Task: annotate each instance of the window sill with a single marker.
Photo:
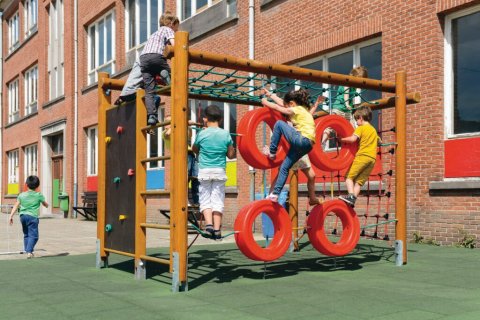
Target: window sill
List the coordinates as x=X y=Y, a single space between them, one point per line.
x=11 y=196
x=11 y=124
x=52 y=102
x=208 y=20
x=21 y=44
x=457 y=184
x=89 y=87
x=269 y=3
x=231 y=190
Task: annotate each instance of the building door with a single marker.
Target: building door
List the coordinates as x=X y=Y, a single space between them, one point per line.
x=56 y=143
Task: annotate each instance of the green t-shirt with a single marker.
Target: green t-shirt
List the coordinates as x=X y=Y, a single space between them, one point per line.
x=339 y=100
x=30 y=202
x=213 y=143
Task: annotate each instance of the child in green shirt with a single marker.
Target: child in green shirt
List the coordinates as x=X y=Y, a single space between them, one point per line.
x=29 y=204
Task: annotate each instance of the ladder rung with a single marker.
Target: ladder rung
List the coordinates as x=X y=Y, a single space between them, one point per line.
x=158 y=125
x=155 y=226
x=157 y=260
x=128 y=254
x=155 y=159
x=155 y=193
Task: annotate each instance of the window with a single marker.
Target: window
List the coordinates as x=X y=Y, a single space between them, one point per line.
x=190 y=8
x=31 y=15
x=55 y=49
x=13 y=113
x=462 y=69
x=31 y=157
x=156 y=145
x=101 y=47
x=31 y=90
x=92 y=151
x=13 y=32
x=141 y=19
x=13 y=166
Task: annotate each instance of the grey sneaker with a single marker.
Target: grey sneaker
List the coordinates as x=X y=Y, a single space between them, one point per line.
x=152 y=120
x=349 y=199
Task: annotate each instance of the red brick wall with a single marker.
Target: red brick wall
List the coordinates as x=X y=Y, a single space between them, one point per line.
x=286 y=32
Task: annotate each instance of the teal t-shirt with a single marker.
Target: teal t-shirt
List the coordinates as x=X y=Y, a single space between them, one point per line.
x=338 y=101
x=213 y=143
x=30 y=202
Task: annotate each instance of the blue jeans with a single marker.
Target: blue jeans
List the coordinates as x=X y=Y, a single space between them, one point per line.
x=192 y=171
x=30 y=232
x=299 y=146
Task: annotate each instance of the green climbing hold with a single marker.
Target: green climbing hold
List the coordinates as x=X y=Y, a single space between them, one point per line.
x=116 y=180
x=108 y=228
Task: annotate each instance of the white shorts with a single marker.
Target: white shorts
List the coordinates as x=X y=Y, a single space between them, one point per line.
x=212 y=189
x=302 y=163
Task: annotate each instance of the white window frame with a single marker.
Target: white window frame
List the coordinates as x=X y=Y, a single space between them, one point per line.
x=159 y=136
x=225 y=106
x=13 y=104
x=138 y=47
x=31 y=90
x=449 y=75
x=31 y=160
x=31 y=16
x=14 y=32
x=13 y=166
x=94 y=44
x=55 y=49
x=193 y=6
x=92 y=138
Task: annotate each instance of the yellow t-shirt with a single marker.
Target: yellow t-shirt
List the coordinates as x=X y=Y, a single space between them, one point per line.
x=303 y=122
x=368 y=140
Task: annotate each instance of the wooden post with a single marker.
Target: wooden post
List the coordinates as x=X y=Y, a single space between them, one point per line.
x=104 y=101
x=140 y=185
x=179 y=179
x=293 y=206
x=401 y=161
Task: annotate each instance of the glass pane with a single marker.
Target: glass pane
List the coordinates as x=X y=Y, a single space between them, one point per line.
x=153 y=16
x=131 y=24
x=109 y=43
x=466 y=68
x=233 y=123
x=101 y=42
x=187 y=9
x=201 y=4
x=314 y=88
x=371 y=58
x=343 y=64
x=143 y=20
x=283 y=85
x=154 y=148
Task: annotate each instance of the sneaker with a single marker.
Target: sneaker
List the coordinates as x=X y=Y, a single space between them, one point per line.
x=266 y=151
x=152 y=120
x=272 y=197
x=209 y=230
x=217 y=235
x=119 y=101
x=349 y=199
x=29 y=255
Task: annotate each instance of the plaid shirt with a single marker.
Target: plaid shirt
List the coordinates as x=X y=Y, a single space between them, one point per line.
x=157 y=41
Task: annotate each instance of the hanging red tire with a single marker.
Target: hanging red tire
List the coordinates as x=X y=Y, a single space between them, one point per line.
x=332 y=161
x=282 y=231
x=316 y=230
x=247 y=142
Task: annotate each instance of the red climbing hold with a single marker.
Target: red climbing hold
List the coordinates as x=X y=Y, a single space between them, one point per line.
x=316 y=228
x=247 y=138
x=131 y=172
x=281 y=224
x=332 y=160
x=119 y=130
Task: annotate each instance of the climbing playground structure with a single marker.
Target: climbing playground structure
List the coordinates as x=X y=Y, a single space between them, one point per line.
x=122 y=192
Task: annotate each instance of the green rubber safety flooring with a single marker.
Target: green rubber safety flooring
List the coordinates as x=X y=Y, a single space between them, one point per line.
x=437 y=283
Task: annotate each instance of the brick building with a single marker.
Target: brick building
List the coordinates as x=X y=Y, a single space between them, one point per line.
x=53 y=49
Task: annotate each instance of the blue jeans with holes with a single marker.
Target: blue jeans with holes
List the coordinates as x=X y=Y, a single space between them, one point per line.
x=192 y=168
x=299 y=146
x=30 y=232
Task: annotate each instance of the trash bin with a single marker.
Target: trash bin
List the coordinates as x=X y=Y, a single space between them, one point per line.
x=64 y=206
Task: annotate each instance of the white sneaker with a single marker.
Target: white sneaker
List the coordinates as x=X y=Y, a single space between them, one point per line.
x=272 y=197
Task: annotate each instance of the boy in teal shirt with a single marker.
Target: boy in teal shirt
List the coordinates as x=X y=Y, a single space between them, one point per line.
x=213 y=144
x=29 y=203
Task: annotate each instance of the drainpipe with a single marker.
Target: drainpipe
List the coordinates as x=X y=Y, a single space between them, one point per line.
x=75 y=105
x=1 y=107
x=251 y=55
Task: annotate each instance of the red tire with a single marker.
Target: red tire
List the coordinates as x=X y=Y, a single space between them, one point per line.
x=316 y=232
x=331 y=161
x=247 y=142
x=282 y=231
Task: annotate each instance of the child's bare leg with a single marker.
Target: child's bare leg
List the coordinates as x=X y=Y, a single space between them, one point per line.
x=312 y=199
x=350 y=185
x=217 y=220
x=356 y=189
x=207 y=214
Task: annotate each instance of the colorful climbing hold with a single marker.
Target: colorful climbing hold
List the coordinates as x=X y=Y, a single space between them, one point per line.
x=108 y=228
x=131 y=172
x=122 y=217
x=116 y=180
x=119 y=130
x=107 y=140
